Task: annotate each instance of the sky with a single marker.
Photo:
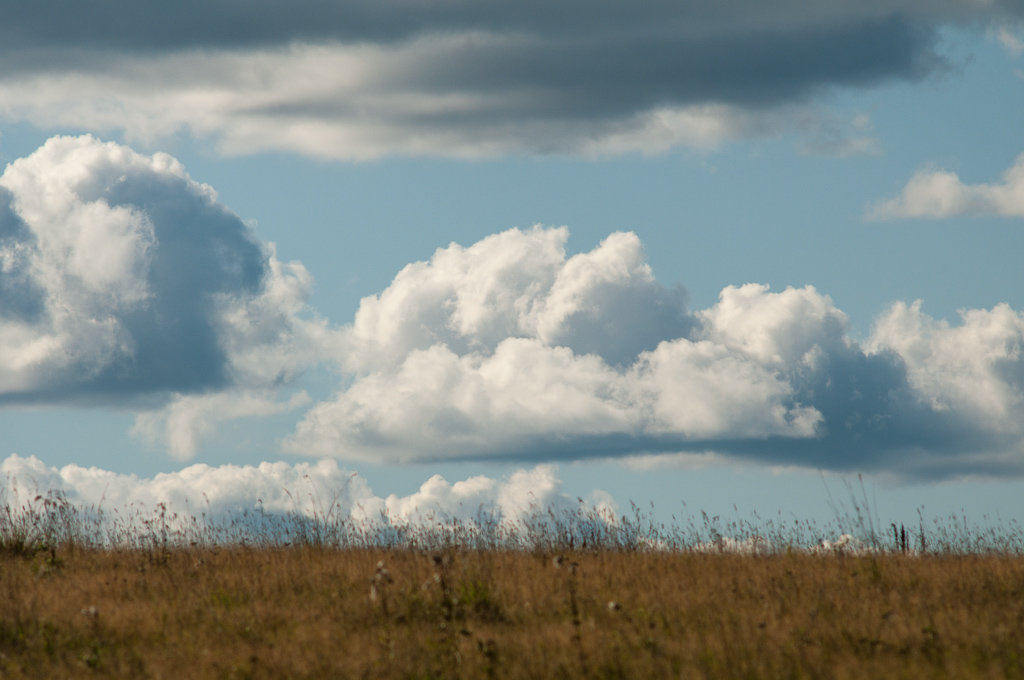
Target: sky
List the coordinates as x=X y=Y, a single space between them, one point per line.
x=721 y=257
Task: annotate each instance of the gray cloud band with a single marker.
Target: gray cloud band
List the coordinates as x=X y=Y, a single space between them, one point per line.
x=614 y=72
x=460 y=78
x=127 y=25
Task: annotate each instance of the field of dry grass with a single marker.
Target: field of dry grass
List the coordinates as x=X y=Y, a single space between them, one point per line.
x=316 y=612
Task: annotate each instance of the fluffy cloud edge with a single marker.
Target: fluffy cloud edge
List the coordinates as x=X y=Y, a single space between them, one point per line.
x=941 y=194
x=507 y=348
x=504 y=350
x=182 y=425
x=127 y=284
x=254 y=501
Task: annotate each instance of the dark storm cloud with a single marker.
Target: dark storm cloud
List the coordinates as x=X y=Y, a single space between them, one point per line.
x=552 y=94
x=616 y=75
x=362 y=79
x=580 y=57
x=577 y=79
x=638 y=54
x=134 y=26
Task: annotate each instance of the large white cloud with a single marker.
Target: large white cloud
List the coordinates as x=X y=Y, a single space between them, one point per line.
x=125 y=282
x=519 y=284
x=938 y=194
x=975 y=369
x=489 y=349
x=354 y=79
x=510 y=348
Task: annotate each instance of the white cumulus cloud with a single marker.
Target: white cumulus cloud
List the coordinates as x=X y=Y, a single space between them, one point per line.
x=511 y=348
x=124 y=282
x=938 y=194
x=975 y=369
x=492 y=349
x=261 y=501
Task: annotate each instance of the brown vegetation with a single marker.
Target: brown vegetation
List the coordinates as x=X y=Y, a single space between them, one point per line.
x=316 y=612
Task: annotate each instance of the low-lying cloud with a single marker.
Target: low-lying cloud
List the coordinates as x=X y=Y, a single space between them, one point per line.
x=357 y=79
x=260 y=502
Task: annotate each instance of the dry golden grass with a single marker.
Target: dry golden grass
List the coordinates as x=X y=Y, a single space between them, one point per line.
x=309 y=612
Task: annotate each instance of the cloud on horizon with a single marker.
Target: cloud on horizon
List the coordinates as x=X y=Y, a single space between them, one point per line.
x=359 y=79
x=248 y=500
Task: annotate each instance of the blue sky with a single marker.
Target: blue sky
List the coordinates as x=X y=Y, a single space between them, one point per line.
x=753 y=200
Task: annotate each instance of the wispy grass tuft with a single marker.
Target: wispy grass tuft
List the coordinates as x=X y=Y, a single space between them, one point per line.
x=575 y=592
x=47 y=521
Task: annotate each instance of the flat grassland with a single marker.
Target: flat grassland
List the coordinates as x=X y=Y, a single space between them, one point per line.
x=318 y=612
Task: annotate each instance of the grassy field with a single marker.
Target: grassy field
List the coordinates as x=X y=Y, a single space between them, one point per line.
x=317 y=612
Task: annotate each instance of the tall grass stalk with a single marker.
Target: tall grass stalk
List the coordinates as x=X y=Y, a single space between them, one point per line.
x=259 y=595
